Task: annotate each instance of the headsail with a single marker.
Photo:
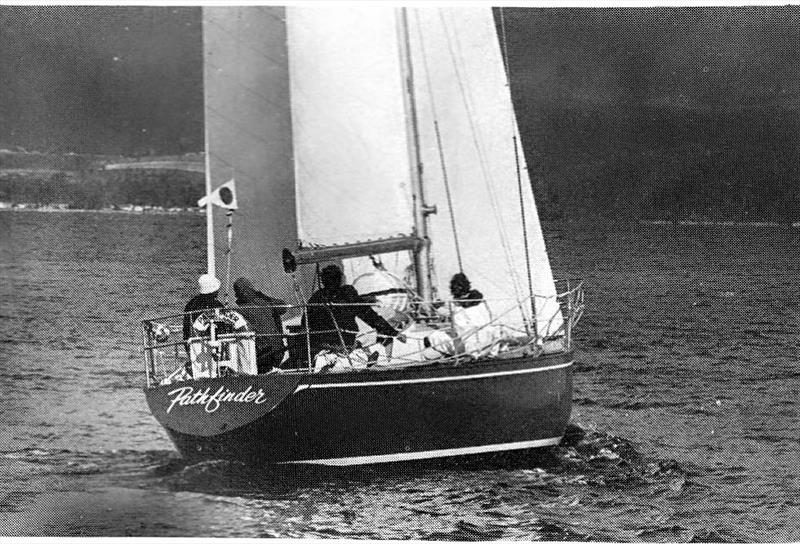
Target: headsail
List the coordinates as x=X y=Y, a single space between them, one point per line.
x=462 y=86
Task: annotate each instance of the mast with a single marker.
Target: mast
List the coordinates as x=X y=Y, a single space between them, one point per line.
x=422 y=254
x=209 y=214
x=212 y=264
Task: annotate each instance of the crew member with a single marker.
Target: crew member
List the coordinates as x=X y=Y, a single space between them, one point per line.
x=471 y=329
x=206 y=300
x=332 y=315
x=263 y=314
x=463 y=293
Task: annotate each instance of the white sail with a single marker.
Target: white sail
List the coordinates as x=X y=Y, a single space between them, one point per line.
x=460 y=82
x=352 y=169
x=312 y=104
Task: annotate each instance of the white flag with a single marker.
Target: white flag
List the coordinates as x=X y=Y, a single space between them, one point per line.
x=223 y=196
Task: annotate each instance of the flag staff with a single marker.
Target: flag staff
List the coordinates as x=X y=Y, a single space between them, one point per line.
x=223 y=196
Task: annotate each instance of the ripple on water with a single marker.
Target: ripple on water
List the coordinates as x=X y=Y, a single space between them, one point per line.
x=678 y=319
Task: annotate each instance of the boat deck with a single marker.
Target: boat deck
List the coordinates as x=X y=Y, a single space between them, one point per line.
x=227 y=348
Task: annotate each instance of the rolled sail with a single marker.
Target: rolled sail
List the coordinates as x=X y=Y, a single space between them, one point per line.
x=351 y=158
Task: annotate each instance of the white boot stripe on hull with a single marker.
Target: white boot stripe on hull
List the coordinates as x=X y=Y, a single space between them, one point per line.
x=433 y=454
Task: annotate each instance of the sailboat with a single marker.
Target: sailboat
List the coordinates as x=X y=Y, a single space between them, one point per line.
x=383 y=140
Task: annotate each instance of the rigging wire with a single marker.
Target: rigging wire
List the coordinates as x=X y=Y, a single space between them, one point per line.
x=439 y=145
x=525 y=238
x=519 y=172
x=228 y=252
x=481 y=156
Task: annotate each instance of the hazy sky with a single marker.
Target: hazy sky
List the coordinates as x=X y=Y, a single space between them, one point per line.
x=101 y=79
x=129 y=79
x=685 y=57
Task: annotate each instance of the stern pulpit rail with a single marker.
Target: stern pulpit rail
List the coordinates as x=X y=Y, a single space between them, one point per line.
x=168 y=356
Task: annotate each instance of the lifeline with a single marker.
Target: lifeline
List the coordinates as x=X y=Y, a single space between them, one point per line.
x=185 y=396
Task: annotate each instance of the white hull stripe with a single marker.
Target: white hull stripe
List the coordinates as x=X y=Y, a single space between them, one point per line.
x=431 y=380
x=432 y=454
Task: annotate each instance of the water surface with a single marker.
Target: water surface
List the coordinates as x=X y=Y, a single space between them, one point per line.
x=685 y=424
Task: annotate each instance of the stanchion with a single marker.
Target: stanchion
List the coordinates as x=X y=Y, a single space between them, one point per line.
x=229 y=227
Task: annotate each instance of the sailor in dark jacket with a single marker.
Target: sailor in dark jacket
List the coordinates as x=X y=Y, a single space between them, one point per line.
x=336 y=306
x=263 y=315
x=206 y=300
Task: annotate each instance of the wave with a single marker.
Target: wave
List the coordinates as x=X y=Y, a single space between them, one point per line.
x=73 y=462
x=602 y=459
x=584 y=457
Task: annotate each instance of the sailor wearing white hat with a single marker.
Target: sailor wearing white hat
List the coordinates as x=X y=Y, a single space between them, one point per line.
x=208 y=284
x=206 y=300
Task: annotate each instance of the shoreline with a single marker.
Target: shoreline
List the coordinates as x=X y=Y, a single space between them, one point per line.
x=706 y=223
x=156 y=210
x=132 y=211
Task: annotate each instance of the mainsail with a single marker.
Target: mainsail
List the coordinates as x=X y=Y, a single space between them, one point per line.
x=313 y=104
x=349 y=130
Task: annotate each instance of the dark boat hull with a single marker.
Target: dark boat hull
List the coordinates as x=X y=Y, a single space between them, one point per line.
x=370 y=417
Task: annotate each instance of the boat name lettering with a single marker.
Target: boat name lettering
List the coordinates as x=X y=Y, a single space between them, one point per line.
x=185 y=396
